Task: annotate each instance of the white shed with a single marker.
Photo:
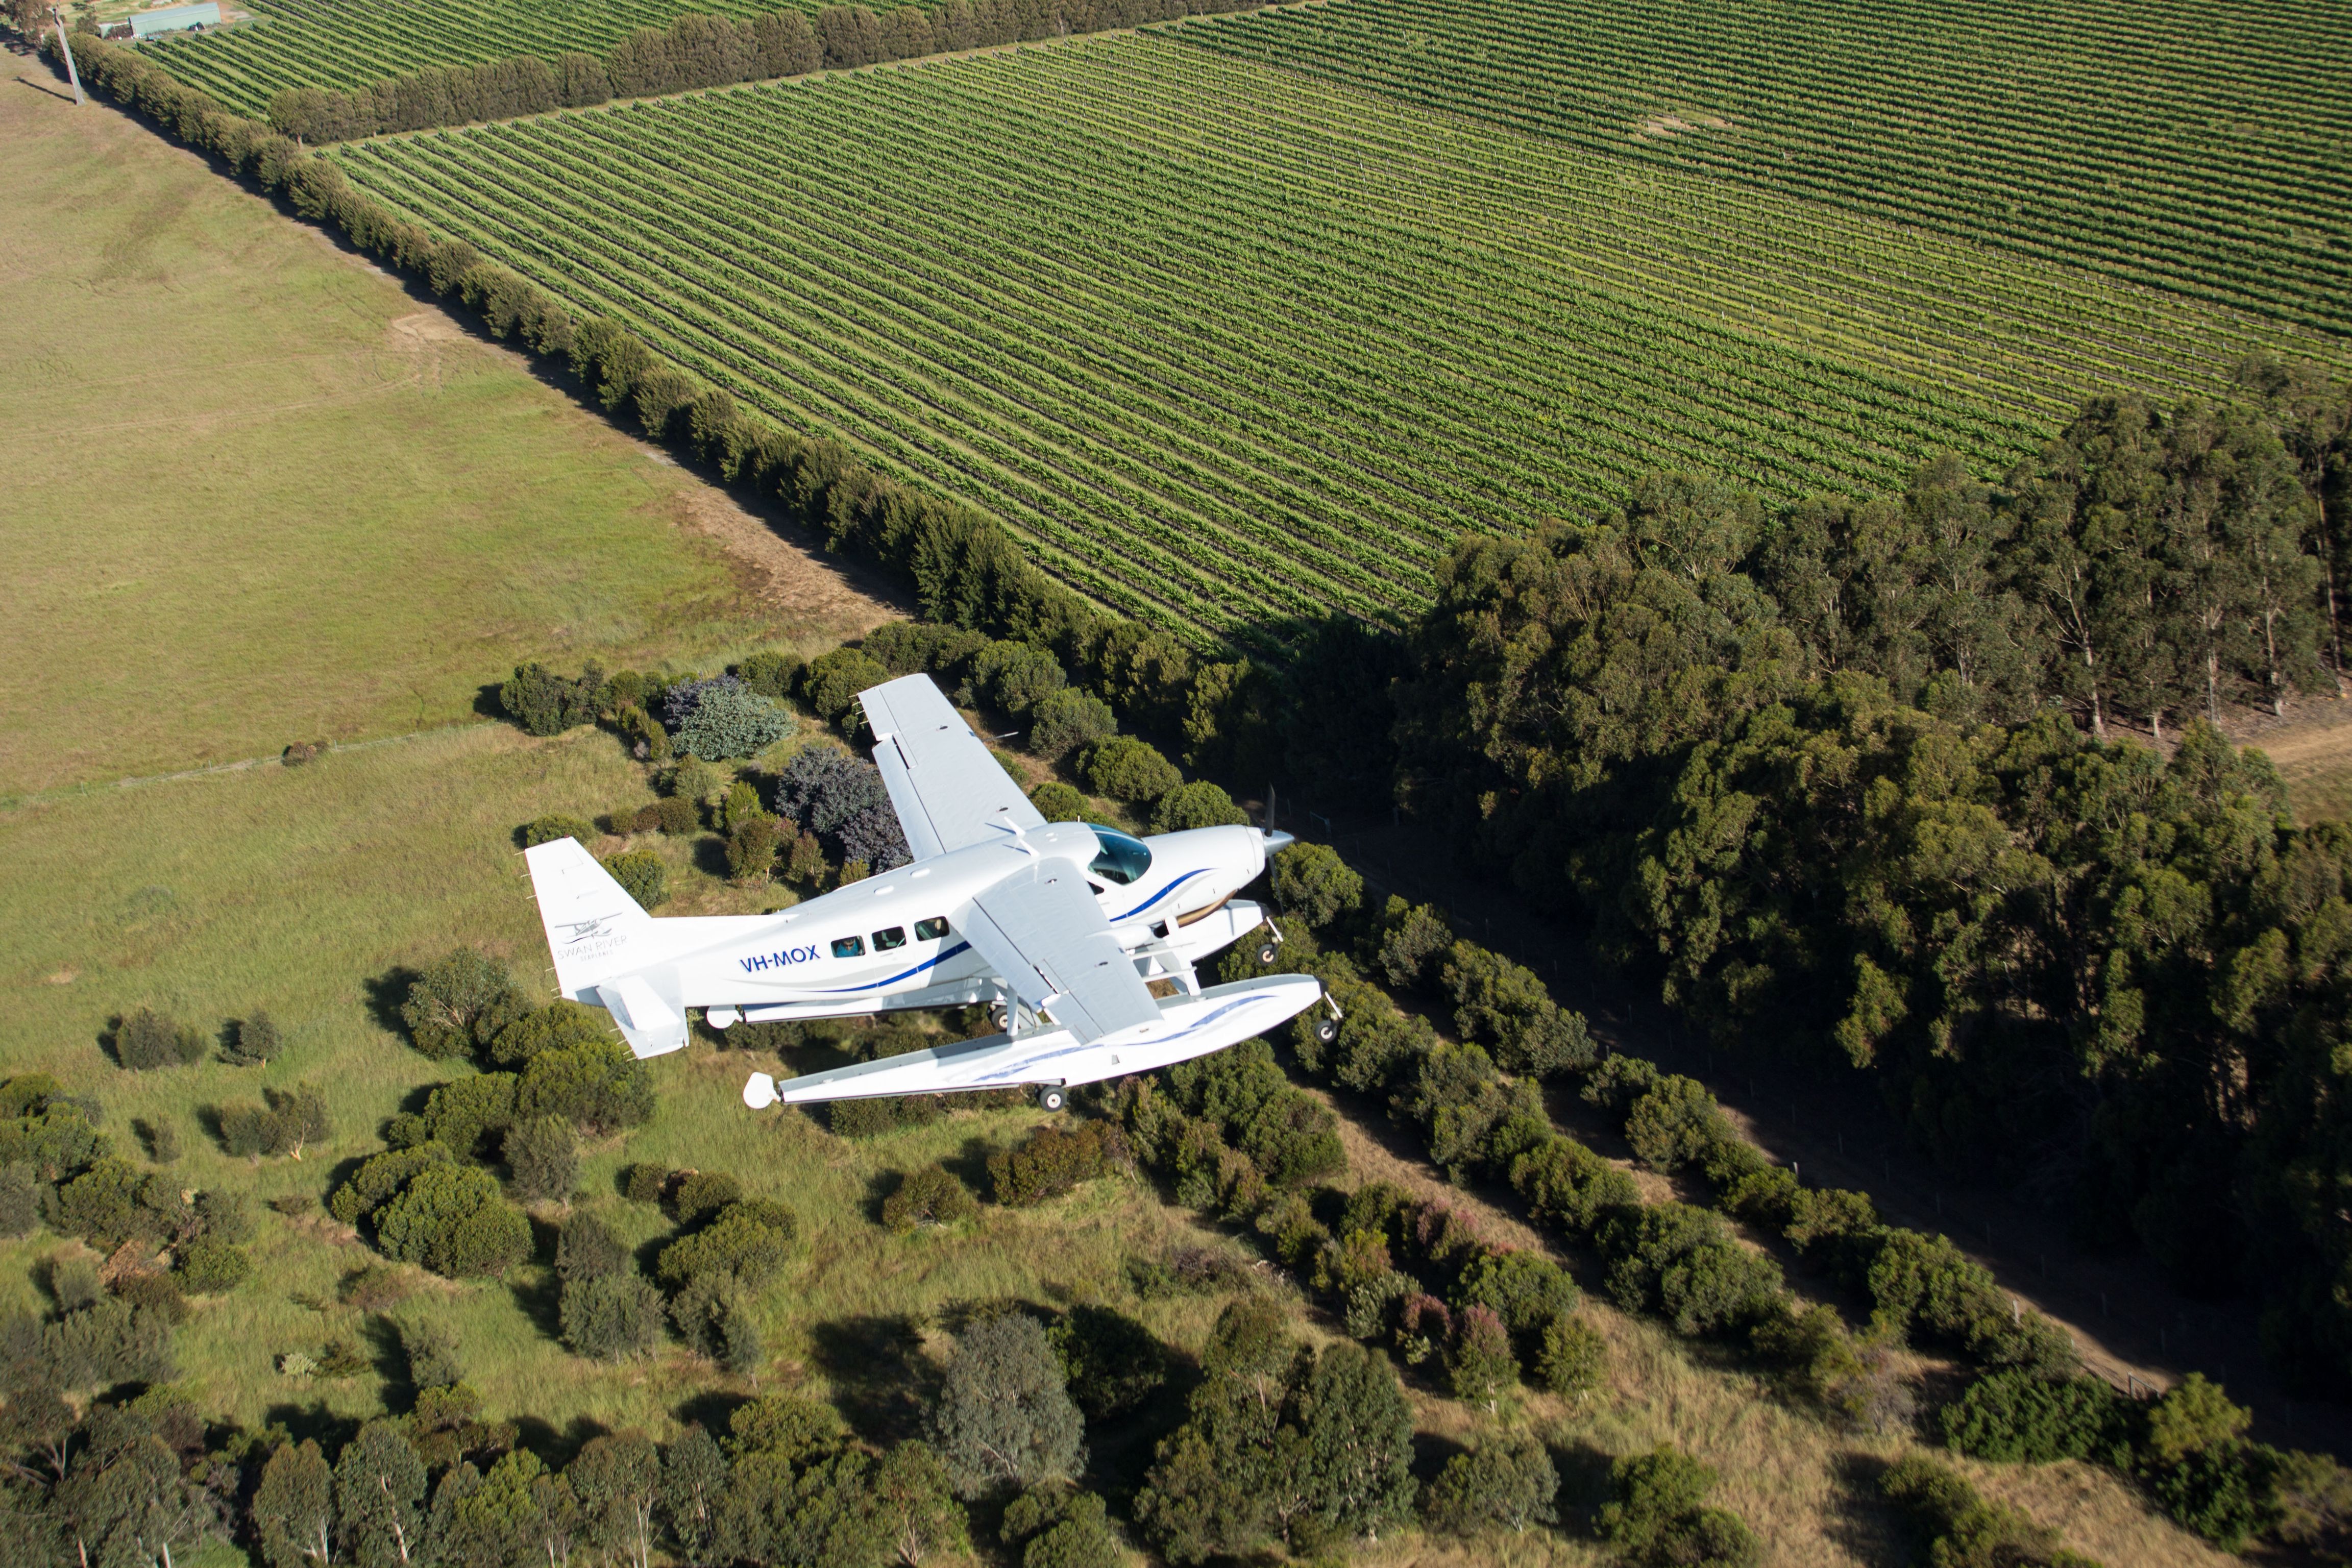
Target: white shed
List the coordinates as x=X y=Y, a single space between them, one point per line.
x=175 y=18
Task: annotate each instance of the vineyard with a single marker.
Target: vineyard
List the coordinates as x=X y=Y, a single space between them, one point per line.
x=1229 y=346
x=2159 y=142
x=341 y=44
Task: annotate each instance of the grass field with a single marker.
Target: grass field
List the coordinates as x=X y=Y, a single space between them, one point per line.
x=337 y=44
x=2145 y=142
x=260 y=494
x=1228 y=343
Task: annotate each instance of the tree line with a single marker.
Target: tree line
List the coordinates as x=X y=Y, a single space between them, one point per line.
x=703 y=51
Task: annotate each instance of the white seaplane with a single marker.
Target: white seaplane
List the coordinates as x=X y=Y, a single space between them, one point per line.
x=1062 y=929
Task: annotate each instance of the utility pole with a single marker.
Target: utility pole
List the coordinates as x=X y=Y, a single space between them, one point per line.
x=73 y=74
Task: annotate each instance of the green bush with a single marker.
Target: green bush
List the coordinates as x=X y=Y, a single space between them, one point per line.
x=147 y=1039
x=1059 y=802
x=732 y=721
x=20 y=1199
x=1683 y=1264
x=114 y=1202
x=771 y=673
x=1572 y=1358
x=932 y=1195
x=1527 y=1290
x=610 y=1316
x=751 y=848
x=1660 y=1519
x=645 y=1183
x=1130 y=770
x=253 y=1040
x=1067 y=720
x=560 y=1025
x=287 y=1122
x=700 y=1194
x=642 y=876
x=1410 y=936
x=585 y=1247
x=206 y=1266
x=547 y=829
x=460 y=1115
x=460 y=1003
x=1507 y=1483
x=1480 y=1365
x=674 y=814
x=1312 y=882
x=453 y=1220
x=599 y=1087
x=1004 y=1417
x=748 y=1244
x=1197 y=805
x=1015 y=678
x=1110 y=1361
x=543 y=1156
x=1052 y=1161
x=1959 y=1528
x=833 y=682
x=1673 y=1124
x=1055 y=1527
x=2012 y=1417
x=546 y=703
x=380 y=1178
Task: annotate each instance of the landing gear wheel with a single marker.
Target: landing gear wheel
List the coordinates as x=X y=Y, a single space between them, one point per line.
x=1050 y=1099
x=1325 y=1030
x=1000 y=1017
x=1266 y=953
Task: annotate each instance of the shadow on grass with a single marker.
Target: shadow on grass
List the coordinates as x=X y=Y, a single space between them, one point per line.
x=711 y=1410
x=1860 y=1519
x=881 y=1384
x=385 y=993
x=539 y=1293
x=315 y=1421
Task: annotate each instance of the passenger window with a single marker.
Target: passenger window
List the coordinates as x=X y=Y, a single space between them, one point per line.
x=848 y=946
x=931 y=931
x=884 y=941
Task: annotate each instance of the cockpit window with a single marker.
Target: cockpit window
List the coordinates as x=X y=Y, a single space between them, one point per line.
x=1123 y=859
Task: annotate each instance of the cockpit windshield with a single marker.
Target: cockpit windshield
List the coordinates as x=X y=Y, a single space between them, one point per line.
x=1122 y=860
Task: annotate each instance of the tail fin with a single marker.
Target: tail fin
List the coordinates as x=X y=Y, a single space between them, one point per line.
x=595 y=929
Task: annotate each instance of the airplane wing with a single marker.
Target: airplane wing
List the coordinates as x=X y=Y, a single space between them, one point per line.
x=947 y=789
x=1041 y=932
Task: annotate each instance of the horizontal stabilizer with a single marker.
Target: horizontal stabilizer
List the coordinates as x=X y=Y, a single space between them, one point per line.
x=650 y=1024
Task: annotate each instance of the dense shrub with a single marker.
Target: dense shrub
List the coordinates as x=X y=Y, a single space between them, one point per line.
x=610 y=1316
x=747 y=1244
x=1410 y=937
x=546 y=703
x=253 y=1040
x=1068 y=721
x=547 y=829
x=1052 y=1161
x=842 y=800
x=1015 y=678
x=288 y=1120
x=1130 y=770
x=1197 y=805
x=113 y=1201
x=730 y=720
x=1003 y=1418
x=771 y=673
x=931 y=1195
x=833 y=682
x=560 y=1025
x=598 y=1087
x=1053 y=1527
x=883 y=1113
x=460 y=1003
x=1506 y=1483
x=147 y=1039
x=453 y=1220
x=461 y=1116
x=1312 y=882
x=1659 y=1517
x=2014 y=1415
x=1958 y=1527
x=543 y=1156
x=1479 y=1365
x=1683 y=1264
x=20 y=1199
x=1059 y=802
x=1572 y=1357
x=1110 y=1361
x=208 y=1266
x=752 y=845
x=642 y=876
x=380 y=1178
x=700 y=1194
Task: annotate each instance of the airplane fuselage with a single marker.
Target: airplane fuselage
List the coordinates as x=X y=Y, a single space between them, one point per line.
x=894 y=941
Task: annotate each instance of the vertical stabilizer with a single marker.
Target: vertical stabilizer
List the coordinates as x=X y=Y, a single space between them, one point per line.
x=595 y=929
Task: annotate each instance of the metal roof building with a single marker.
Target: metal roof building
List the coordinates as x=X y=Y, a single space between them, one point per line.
x=174 y=19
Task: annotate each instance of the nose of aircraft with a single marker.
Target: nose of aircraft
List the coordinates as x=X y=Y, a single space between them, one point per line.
x=1277 y=841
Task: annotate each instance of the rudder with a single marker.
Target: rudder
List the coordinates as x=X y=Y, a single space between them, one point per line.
x=595 y=929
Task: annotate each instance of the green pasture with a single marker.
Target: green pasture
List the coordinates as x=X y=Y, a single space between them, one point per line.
x=261 y=494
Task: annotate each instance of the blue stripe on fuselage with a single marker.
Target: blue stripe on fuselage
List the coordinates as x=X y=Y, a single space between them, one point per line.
x=1157 y=897
x=893 y=980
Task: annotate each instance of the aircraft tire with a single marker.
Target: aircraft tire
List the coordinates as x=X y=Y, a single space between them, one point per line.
x=1326 y=1029
x=1051 y=1098
x=1266 y=953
